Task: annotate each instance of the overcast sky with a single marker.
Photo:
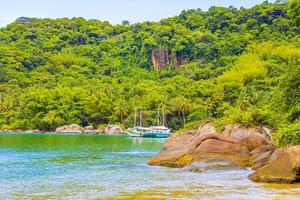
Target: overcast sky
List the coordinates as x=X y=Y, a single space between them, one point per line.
x=113 y=11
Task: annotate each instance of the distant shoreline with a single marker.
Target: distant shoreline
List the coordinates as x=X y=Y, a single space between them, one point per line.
x=61 y=133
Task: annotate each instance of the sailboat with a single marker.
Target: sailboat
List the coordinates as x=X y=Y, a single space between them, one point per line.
x=137 y=131
x=159 y=131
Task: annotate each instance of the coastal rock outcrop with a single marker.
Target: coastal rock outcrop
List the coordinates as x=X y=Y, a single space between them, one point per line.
x=237 y=146
x=283 y=167
x=205 y=143
x=74 y=128
x=252 y=137
x=113 y=129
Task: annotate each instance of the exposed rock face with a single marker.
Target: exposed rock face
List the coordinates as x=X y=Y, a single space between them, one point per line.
x=162 y=58
x=74 y=128
x=252 y=137
x=260 y=156
x=283 y=167
x=202 y=144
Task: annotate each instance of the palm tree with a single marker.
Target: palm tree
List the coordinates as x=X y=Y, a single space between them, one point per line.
x=121 y=110
x=181 y=106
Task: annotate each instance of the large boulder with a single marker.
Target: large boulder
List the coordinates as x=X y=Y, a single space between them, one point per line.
x=283 y=167
x=74 y=128
x=175 y=147
x=215 y=146
x=252 y=137
x=205 y=143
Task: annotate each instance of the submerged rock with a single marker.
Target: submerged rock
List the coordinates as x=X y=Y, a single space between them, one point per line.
x=283 y=167
x=211 y=164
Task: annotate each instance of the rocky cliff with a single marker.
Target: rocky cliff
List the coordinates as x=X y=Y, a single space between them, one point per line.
x=162 y=58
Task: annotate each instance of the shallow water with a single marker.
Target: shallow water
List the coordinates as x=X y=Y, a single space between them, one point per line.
x=45 y=166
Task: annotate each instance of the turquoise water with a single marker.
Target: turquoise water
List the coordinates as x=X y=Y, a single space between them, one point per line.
x=45 y=166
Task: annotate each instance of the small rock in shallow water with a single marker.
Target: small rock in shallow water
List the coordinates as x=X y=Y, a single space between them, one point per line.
x=211 y=164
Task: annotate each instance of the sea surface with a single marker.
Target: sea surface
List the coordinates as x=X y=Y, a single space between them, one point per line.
x=48 y=166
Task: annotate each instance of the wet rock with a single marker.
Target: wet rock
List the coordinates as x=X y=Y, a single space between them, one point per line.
x=283 y=167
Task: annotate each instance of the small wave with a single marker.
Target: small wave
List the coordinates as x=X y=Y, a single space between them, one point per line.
x=130 y=153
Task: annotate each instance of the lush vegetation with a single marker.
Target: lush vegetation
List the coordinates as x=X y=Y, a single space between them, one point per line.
x=244 y=67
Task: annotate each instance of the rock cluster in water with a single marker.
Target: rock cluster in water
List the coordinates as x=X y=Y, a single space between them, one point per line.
x=75 y=128
x=236 y=147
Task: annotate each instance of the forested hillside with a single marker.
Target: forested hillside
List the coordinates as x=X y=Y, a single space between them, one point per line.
x=240 y=66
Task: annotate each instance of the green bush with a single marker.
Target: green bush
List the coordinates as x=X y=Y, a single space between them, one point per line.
x=288 y=135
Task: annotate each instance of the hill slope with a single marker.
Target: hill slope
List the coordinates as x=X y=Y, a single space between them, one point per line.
x=226 y=64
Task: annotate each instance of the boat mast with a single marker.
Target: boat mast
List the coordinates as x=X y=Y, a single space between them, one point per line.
x=141 y=112
x=134 y=117
x=163 y=116
x=158 y=116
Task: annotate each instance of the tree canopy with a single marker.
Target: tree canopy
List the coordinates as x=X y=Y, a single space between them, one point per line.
x=243 y=68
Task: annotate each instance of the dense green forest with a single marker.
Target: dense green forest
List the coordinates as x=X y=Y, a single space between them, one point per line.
x=243 y=68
